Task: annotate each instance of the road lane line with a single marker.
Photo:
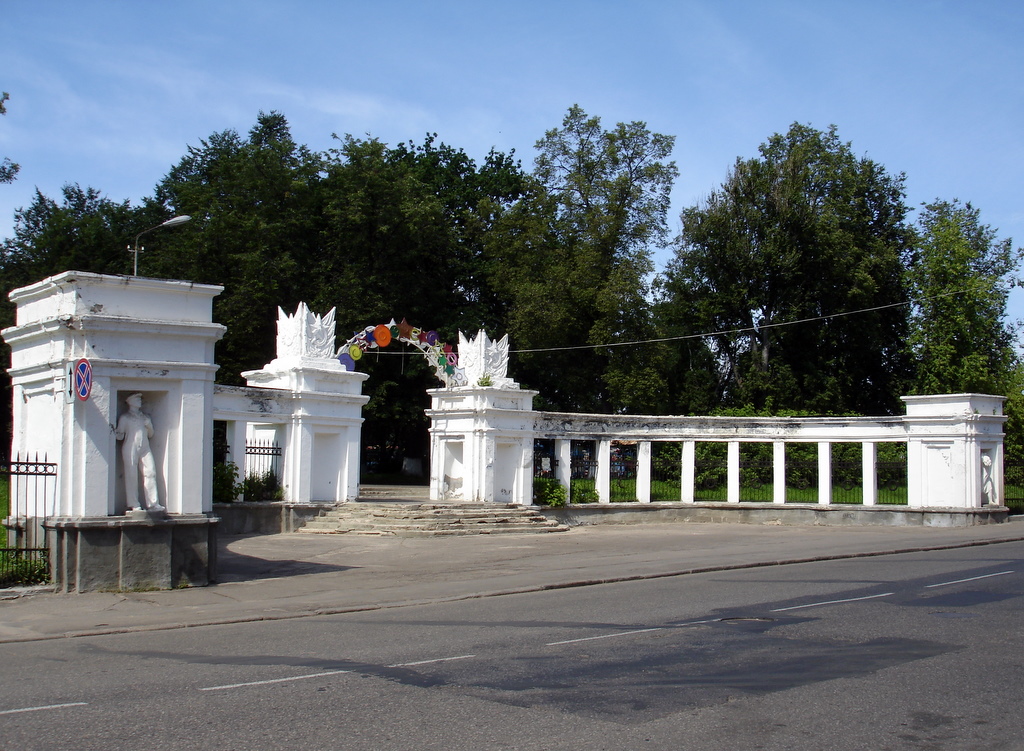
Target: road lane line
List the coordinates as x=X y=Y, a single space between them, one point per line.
x=427 y=662
x=605 y=636
x=274 y=680
x=971 y=579
x=831 y=602
x=45 y=706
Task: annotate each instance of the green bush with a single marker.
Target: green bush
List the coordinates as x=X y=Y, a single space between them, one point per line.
x=226 y=487
x=265 y=487
x=548 y=492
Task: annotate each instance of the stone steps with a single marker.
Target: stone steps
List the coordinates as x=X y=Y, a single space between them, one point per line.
x=430 y=519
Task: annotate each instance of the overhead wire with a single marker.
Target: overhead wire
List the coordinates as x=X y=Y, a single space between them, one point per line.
x=738 y=330
x=724 y=332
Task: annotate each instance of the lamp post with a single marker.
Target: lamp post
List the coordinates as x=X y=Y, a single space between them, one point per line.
x=173 y=222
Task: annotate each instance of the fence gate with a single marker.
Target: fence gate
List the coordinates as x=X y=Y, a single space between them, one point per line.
x=31 y=486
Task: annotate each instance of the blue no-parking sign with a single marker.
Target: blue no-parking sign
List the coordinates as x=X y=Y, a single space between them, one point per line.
x=83 y=379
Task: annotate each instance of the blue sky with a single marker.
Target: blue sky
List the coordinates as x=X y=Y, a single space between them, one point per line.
x=110 y=94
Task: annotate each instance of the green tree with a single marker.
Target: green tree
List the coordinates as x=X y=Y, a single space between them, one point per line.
x=256 y=220
x=403 y=238
x=960 y=276
x=8 y=169
x=807 y=230
x=572 y=259
x=83 y=232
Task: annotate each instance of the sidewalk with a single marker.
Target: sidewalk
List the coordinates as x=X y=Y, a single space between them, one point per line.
x=299 y=575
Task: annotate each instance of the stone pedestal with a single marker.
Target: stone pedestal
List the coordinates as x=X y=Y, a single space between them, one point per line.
x=134 y=552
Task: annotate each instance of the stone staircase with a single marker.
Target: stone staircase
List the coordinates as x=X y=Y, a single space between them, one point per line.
x=383 y=513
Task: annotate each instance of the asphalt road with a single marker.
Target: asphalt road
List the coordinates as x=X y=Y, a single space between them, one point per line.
x=911 y=651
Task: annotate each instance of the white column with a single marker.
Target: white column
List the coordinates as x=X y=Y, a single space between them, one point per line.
x=869 y=474
x=643 y=472
x=824 y=472
x=687 y=472
x=733 y=482
x=779 y=471
x=604 y=471
x=349 y=487
x=563 y=463
x=437 y=458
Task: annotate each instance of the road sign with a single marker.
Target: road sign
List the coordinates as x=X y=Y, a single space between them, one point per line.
x=83 y=379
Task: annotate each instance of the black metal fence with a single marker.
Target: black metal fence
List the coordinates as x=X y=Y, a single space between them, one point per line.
x=262 y=481
x=1013 y=487
x=263 y=458
x=28 y=500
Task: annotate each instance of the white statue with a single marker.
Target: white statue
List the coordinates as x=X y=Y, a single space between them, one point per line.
x=988 y=489
x=135 y=428
x=305 y=335
x=485 y=362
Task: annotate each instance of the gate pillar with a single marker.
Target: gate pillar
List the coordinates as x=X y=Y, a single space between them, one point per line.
x=954 y=450
x=481 y=444
x=100 y=361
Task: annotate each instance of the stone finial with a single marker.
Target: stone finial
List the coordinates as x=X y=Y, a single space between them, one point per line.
x=305 y=335
x=484 y=362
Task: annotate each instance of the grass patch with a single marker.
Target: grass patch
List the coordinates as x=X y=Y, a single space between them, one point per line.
x=624 y=490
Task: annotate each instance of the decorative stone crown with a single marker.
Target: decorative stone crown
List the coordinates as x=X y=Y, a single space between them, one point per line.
x=305 y=335
x=485 y=363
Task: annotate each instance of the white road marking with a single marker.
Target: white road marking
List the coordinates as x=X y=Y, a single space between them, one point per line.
x=831 y=602
x=45 y=706
x=604 y=636
x=274 y=680
x=427 y=662
x=973 y=578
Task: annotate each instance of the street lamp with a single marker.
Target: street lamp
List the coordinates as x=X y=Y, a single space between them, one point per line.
x=173 y=222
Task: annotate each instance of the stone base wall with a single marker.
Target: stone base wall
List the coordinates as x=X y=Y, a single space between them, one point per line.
x=789 y=514
x=132 y=554
x=265 y=518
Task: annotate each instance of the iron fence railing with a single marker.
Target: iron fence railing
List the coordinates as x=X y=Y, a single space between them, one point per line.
x=29 y=497
x=263 y=458
x=1013 y=486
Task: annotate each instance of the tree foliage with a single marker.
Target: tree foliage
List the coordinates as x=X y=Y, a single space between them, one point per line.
x=960 y=275
x=8 y=169
x=572 y=259
x=807 y=230
x=787 y=291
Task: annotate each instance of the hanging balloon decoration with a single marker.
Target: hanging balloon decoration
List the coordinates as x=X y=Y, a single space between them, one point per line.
x=443 y=358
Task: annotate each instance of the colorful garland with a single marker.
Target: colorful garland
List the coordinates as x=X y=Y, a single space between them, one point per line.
x=443 y=358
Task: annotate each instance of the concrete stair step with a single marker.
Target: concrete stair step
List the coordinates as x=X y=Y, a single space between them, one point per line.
x=430 y=519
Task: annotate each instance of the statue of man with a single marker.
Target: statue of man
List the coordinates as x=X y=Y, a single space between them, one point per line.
x=135 y=428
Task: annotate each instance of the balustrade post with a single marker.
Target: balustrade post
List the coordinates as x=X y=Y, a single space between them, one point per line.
x=779 y=471
x=563 y=464
x=643 y=472
x=869 y=474
x=733 y=481
x=824 y=472
x=687 y=471
x=604 y=471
